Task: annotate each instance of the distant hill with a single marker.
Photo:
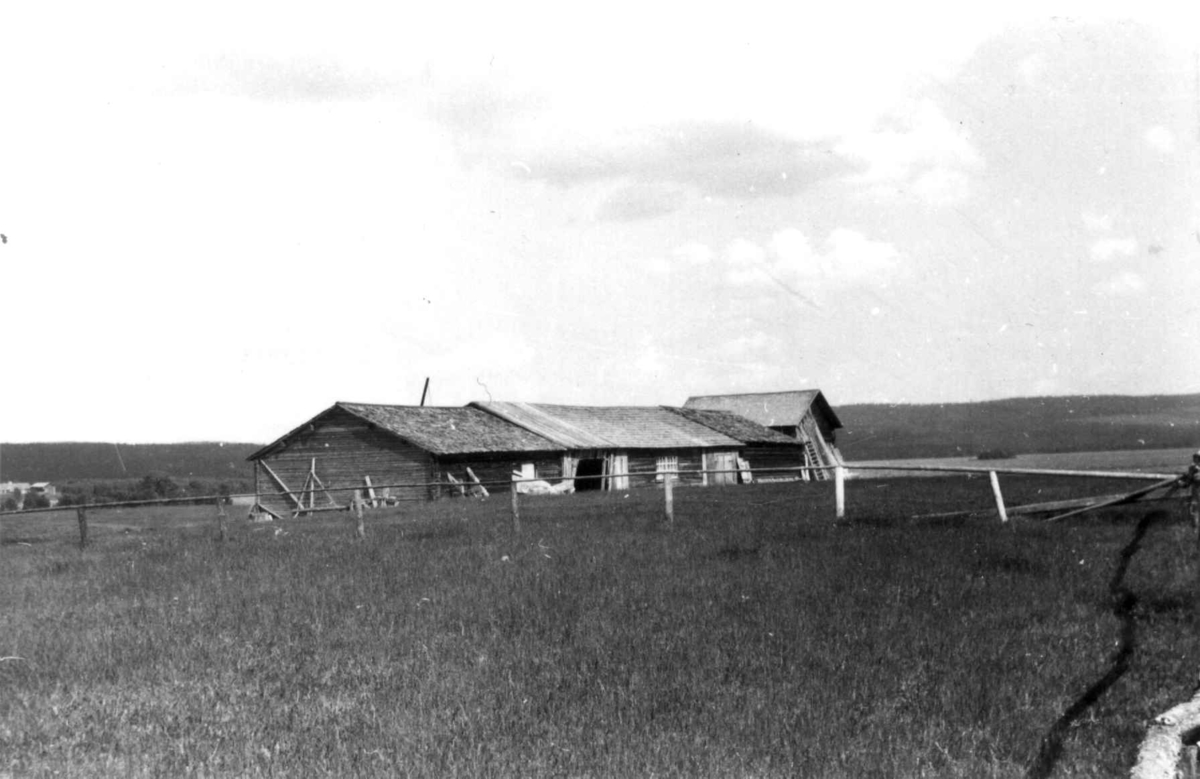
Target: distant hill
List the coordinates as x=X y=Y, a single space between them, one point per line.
x=73 y=461
x=1078 y=423
x=873 y=431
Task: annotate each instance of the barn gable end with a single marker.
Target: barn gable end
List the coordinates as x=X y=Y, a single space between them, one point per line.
x=338 y=449
x=803 y=414
x=342 y=449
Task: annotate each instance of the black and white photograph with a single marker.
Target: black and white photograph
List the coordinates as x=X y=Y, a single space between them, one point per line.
x=622 y=390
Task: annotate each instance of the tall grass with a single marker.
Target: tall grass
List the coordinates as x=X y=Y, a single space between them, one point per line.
x=756 y=637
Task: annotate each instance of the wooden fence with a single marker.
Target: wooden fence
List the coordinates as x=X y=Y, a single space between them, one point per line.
x=367 y=495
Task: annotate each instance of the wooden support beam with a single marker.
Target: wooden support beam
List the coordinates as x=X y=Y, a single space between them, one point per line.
x=286 y=489
x=370 y=492
x=305 y=495
x=1120 y=499
x=998 y=495
x=325 y=490
x=477 y=487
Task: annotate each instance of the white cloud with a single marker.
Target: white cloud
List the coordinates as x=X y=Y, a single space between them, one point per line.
x=1031 y=68
x=913 y=136
x=1107 y=249
x=747 y=263
x=791 y=249
x=1121 y=285
x=846 y=258
x=694 y=253
x=916 y=146
x=1097 y=223
x=854 y=257
x=658 y=266
x=942 y=186
x=1160 y=139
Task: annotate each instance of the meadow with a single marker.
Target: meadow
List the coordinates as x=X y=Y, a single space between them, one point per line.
x=755 y=636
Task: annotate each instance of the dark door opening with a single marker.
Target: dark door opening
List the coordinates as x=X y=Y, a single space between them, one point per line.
x=589 y=475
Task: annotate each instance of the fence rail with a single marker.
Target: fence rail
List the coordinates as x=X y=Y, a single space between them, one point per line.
x=846 y=470
x=841 y=472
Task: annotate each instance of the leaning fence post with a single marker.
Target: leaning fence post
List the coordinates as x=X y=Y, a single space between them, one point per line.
x=222 y=526
x=81 y=515
x=668 y=498
x=839 y=490
x=516 y=509
x=995 y=479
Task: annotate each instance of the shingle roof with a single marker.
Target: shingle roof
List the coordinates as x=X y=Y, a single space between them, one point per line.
x=609 y=427
x=438 y=430
x=736 y=426
x=457 y=430
x=768 y=408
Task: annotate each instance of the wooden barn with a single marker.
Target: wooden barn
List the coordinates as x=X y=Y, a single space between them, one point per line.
x=619 y=447
x=355 y=446
x=802 y=414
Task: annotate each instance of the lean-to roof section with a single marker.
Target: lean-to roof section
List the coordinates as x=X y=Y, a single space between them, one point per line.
x=609 y=427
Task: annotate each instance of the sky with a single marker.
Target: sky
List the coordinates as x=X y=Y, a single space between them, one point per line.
x=222 y=218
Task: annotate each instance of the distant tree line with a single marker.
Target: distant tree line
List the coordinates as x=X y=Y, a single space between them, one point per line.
x=153 y=486
x=32 y=500
x=66 y=461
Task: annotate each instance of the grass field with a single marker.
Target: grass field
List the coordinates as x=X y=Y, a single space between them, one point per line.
x=755 y=637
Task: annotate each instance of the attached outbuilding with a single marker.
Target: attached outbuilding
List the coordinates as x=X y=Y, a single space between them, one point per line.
x=765 y=455
x=619 y=447
x=805 y=415
x=369 y=447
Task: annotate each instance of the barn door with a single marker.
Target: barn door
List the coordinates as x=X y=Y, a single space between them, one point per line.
x=618 y=471
x=722 y=464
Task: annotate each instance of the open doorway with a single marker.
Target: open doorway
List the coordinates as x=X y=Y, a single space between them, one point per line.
x=589 y=475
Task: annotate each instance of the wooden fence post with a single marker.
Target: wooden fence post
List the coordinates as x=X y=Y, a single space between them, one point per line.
x=516 y=509
x=1193 y=478
x=81 y=515
x=359 y=531
x=222 y=526
x=839 y=490
x=995 y=479
x=668 y=497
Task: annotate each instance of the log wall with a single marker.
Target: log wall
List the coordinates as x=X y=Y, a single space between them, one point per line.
x=773 y=457
x=346 y=449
